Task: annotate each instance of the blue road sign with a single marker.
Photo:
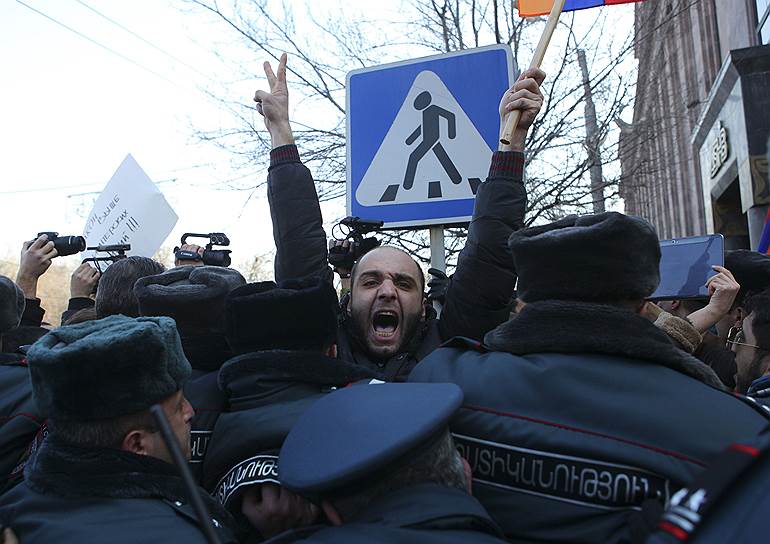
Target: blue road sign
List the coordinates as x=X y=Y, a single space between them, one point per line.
x=420 y=135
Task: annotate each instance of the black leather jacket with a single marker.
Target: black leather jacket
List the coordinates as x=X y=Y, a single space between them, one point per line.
x=472 y=307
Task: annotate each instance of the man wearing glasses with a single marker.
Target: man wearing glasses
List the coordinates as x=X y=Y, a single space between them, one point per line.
x=751 y=345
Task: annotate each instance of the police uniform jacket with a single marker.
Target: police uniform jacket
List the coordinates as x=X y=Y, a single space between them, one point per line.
x=206 y=354
x=203 y=393
x=266 y=392
x=73 y=494
x=471 y=308
x=20 y=420
x=577 y=416
x=423 y=513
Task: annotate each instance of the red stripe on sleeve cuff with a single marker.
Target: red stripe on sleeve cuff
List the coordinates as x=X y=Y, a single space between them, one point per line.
x=284 y=154
x=508 y=164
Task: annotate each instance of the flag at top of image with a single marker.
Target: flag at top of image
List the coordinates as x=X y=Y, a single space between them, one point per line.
x=532 y=8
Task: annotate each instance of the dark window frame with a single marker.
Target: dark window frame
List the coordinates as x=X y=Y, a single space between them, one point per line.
x=762 y=19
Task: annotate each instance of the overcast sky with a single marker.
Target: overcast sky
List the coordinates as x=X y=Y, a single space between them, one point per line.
x=71 y=110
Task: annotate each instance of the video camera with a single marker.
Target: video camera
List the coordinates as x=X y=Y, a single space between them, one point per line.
x=353 y=230
x=115 y=252
x=65 y=245
x=211 y=257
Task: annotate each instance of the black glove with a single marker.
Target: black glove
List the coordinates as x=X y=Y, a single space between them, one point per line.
x=437 y=285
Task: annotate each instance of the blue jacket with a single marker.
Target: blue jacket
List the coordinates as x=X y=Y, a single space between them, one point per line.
x=577 y=415
x=422 y=514
x=760 y=388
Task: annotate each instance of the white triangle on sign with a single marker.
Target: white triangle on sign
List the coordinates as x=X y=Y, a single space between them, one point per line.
x=446 y=168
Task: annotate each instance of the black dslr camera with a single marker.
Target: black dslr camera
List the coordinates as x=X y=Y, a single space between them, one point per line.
x=65 y=245
x=211 y=257
x=353 y=230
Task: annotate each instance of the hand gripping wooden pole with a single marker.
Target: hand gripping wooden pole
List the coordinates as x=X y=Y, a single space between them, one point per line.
x=512 y=120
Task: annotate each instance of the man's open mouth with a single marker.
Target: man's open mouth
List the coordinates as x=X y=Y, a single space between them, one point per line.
x=385 y=324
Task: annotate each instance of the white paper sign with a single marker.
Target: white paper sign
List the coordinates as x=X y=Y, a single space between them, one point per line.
x=130 y=210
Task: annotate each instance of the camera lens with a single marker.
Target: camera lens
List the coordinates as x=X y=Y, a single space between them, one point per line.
x=69 y=245
x=216 y=257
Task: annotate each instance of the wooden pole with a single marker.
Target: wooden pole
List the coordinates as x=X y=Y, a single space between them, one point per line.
x=512 y=120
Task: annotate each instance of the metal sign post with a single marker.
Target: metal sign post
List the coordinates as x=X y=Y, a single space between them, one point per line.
x=437 y=256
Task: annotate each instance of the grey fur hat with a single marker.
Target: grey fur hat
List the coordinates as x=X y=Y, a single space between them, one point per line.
x=593 y=258
x=11 y=304
x=193 y=295
x=106 y=368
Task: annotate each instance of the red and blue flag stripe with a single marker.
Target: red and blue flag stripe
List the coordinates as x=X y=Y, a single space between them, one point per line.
x=532 y=8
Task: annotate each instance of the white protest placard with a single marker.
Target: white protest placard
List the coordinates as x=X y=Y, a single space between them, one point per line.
x=130 y=210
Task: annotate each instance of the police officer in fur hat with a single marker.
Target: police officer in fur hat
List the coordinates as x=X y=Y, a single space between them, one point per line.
x=104 y=472
x=382 y=466
x=284 y=337
x=579 y=411
x=194 y=296
x=19 y=417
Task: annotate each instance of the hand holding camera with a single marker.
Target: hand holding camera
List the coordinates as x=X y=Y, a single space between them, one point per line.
x=35 y=259
x=349 y=243
x=83 y=281
x=191 y=254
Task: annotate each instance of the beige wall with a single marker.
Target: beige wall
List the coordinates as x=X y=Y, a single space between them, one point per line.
x=737 y=21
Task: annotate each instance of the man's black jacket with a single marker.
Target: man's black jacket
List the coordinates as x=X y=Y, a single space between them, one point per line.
x=479 y=296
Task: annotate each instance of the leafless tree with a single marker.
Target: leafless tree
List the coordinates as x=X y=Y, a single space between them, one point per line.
x=323 y=49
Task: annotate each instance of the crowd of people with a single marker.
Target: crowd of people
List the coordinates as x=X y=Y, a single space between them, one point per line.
x=549 y=402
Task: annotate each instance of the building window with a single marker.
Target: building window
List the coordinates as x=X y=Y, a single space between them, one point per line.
x=763 y=26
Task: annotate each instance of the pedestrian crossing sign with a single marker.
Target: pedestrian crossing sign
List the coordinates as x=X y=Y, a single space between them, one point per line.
x=420 y=135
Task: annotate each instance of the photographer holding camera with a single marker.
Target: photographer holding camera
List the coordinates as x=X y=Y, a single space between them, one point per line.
x=83 y=283
x=35 y=259
x=387 y=327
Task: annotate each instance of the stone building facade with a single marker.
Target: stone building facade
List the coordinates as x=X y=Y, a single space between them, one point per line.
x=693 y=160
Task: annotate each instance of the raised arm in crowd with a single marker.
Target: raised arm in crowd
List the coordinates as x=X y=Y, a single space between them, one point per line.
x=386 y=326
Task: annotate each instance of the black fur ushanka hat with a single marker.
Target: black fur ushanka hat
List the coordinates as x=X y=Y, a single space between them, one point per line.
x=604 y=257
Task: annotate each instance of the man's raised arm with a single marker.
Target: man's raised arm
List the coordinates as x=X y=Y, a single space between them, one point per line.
x=478 y=298
x=300 y=241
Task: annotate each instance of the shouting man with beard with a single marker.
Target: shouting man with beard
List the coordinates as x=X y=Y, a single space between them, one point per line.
x=388 y=326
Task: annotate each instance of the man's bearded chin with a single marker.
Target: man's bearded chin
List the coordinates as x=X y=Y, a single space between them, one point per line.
x=754 y=372
x=361 y=323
